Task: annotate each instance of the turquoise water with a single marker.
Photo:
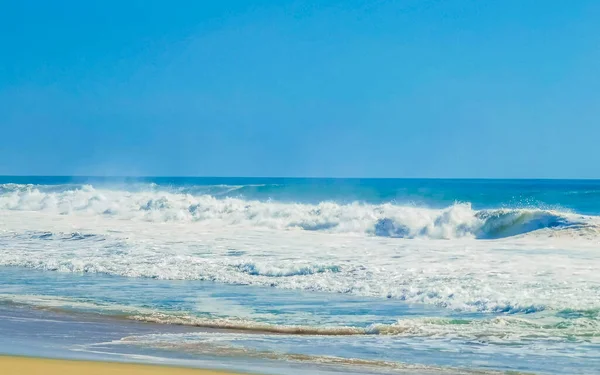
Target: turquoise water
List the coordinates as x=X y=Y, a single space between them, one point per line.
x=436 y=276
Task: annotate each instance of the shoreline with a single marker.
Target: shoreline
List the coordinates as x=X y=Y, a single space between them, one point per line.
x=29 y=333
x=37 y=365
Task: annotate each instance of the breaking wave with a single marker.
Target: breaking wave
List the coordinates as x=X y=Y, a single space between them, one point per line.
x=387 y=220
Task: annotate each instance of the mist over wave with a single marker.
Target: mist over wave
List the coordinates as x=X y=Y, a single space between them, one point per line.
x=458 y=220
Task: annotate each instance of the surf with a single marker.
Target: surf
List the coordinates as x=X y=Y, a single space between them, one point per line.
x=393 y=220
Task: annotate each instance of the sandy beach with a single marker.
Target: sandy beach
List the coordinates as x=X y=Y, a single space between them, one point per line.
x=35 y=366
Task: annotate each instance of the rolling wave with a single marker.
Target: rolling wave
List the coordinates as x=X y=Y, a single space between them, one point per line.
x=387 y=220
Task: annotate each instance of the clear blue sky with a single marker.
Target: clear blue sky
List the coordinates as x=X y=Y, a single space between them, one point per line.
x=289 y=88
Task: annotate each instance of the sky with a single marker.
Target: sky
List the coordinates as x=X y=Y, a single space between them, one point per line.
x=472 y=89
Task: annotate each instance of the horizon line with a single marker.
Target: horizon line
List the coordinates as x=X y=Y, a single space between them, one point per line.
x=299 y=177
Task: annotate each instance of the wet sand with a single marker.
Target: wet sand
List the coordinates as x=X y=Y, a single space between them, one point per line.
x=41 y=366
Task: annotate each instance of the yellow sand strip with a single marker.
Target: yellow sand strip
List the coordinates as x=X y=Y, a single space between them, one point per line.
x=41 y=366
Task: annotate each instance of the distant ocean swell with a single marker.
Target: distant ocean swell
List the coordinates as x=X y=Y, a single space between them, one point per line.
x=459 y=220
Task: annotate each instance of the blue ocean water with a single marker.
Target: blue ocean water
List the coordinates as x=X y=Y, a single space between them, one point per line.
x=375 y=275
x=582 y=196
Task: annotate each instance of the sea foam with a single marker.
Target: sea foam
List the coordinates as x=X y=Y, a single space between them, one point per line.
x=385 y=220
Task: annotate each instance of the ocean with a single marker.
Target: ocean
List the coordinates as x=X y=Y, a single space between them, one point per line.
x=289 y=275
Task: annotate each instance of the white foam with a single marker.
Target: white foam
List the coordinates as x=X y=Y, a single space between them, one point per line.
x=388 y=220
x=177 y=236
x=512 y=275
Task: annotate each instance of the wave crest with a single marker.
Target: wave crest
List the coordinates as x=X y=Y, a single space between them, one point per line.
x=387 y=220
